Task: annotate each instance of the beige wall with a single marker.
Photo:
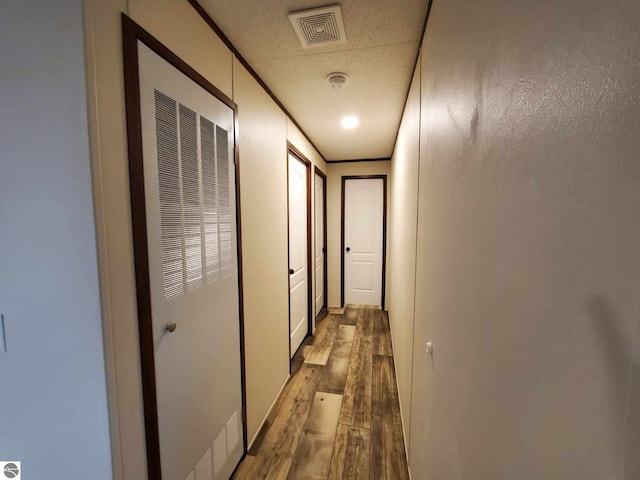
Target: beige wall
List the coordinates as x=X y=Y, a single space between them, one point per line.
x=111 y=187
x=401 y=247
x=263 y=132
x=302 y=143
x=263 y=181
x=335 y=172
x=528 y=273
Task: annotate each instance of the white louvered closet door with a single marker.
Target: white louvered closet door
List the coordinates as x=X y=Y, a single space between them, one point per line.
x=191 y=228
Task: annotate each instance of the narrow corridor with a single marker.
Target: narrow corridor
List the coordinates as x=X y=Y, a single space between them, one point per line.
x=338 y=416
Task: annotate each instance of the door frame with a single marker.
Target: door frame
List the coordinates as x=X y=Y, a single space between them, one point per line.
x=384 y=232
x=132 y=33
x=292 y=150
x=322 y=175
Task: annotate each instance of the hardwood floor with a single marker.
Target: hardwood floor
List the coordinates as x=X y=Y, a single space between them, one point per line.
x=338 y=417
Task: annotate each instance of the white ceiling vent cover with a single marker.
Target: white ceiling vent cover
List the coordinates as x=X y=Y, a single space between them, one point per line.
x=319 y=26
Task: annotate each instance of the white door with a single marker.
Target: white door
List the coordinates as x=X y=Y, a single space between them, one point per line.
x=319 y=243
x=298 y=271
x=189 y=180
x=363 y=240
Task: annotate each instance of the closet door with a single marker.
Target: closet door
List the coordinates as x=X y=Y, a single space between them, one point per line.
x=320 y=255
x=364 y=205
x=298 y=252
x=189 y=193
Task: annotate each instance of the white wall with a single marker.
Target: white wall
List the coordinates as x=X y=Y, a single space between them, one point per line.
x=53 y=399
x=528 y=273
x=401 y=246
x=263 y=131
x=335 y=172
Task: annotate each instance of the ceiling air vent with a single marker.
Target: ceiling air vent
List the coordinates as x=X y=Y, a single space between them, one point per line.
x=319 y=26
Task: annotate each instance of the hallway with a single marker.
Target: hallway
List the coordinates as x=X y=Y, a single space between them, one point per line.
x=338 y=416
x=507 y=134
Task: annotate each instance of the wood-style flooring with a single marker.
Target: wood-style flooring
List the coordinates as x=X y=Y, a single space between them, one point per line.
x=338 y=416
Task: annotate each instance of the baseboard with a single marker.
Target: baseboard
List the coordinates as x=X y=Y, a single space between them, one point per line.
x=266 y=417
x=404 y=431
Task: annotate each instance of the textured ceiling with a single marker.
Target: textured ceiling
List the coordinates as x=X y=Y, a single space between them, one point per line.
x=382 y=43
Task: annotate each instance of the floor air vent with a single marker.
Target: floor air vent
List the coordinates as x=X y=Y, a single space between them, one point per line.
x=319 y=26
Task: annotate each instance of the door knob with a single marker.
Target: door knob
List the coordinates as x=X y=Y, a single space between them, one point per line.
x=170 y=327
x=291 y=271
x=348 y=249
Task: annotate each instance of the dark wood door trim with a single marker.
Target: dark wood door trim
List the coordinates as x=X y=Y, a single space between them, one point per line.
x=360 y=160
x=291 y=149
x=132 y=33
x=384 y=232
x=325 y=285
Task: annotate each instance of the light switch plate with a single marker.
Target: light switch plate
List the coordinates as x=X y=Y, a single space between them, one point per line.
x=429 y=348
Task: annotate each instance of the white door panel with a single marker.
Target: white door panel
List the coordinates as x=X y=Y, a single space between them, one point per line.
x=189 y=179
x=363 y=240
x=298 y=273
x=319 y=243
x=363 y=275
x=319 y=303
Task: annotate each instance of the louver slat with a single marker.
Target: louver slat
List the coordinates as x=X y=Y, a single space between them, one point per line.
x=191 y=202
x=224 y=199
x=210 y=200
x=170 y=195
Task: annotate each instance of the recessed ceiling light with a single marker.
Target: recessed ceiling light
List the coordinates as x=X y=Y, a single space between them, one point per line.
x=350 y=122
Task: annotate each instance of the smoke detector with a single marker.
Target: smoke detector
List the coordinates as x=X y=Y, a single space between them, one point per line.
x=337 y=80
x=319 y=26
